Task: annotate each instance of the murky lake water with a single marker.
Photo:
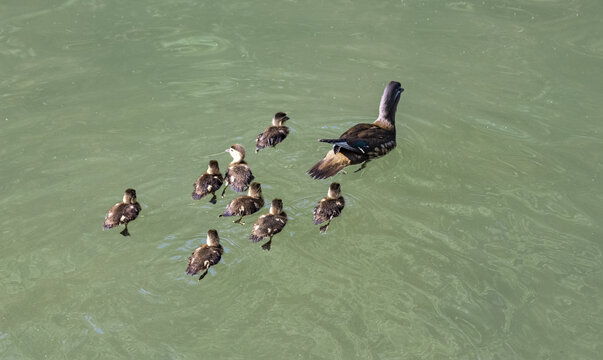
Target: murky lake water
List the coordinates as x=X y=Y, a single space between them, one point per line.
x=478 y=237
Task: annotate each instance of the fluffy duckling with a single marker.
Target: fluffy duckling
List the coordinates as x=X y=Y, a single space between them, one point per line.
x=206 y=255
x=123 y=212
x=209 y=182
x=245 y=204
x=238 y=175
x=363 y=142
x=273 y=134
x=269 y=224
x=329 y=207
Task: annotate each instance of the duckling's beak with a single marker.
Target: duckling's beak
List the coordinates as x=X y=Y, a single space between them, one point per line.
x=227 y=150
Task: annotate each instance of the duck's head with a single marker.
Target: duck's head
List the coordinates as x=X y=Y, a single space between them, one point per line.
x=276 y=207
x=255 y=190
x=237 y=151
x=130 y=196
x=279 y=119
x=213 y=168
x=389 y=101
x=212 y=238
x=334 y=190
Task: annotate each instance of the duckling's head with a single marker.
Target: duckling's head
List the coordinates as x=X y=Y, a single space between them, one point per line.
x=276 y=207
x=334 y=190
x=279 y=119
x=237 y=151
x=212 y=238
x=130 y=196
x=213 y=168
x=255 y=190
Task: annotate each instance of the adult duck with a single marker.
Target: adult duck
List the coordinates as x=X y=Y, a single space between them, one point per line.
x=363 y=142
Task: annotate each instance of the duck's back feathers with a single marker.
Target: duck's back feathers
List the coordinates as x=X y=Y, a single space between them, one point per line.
x=271 y=136
x=239 y=176
x=268 y=225
x=328 y=209
x=369 y=140
x=207 y=184
x=243 y=205
x=203 y=258
x=121 y=213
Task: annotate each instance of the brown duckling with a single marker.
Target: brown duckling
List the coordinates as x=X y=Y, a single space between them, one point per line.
x=329 y=207
x=273 y=134
x=206 y=255
x=363 y=142
x=123 y=212
x=269 y=224
x=209 y=182
x=238 y=175
x=245 y=204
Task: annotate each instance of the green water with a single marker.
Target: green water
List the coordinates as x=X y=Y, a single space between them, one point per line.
x=478 y=237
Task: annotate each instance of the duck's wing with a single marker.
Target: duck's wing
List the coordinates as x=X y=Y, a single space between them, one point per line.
x=113 y=216
x=203 y=257
x=239 y=177
x=130 y=212
x=328 y=209
x=362 y=138
x=243 y=205
x=267 y=225
x=271 y=136
x=206 y=184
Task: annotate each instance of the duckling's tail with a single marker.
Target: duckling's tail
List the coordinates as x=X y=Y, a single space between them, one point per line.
x=255 y=238
x=329 y=166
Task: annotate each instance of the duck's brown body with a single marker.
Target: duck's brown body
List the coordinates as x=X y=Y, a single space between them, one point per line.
x=269 y=224
x=123 y=212
x=363 y=142
x=274 y=134
x=329 y=207
x=238 y=175
x=245 y=204
x=206 y=255
x=208 y=183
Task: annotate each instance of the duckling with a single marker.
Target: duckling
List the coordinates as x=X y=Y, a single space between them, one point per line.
x=362 y=142
x=238 y=175
x=206 y=255
x=245 y=204
x=329 y=207
x=269 y=224
x=123 y=212
x=273 y=134
x=209 y=182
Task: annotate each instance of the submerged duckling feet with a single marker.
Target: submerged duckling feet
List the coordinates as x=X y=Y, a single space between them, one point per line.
x=323 y=229
x=213 y=199
x=125 y=232
x=238 y=221
x=266 y=246
x=203 y=275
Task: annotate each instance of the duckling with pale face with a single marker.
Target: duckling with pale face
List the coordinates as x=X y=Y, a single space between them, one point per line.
x=209 y=182
x=363 y=142
x=274 y=134
x=123 y=212
x=329 y=207
x=269 y=224
x=245 y=204
x=206 y=255
x=238 y=175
